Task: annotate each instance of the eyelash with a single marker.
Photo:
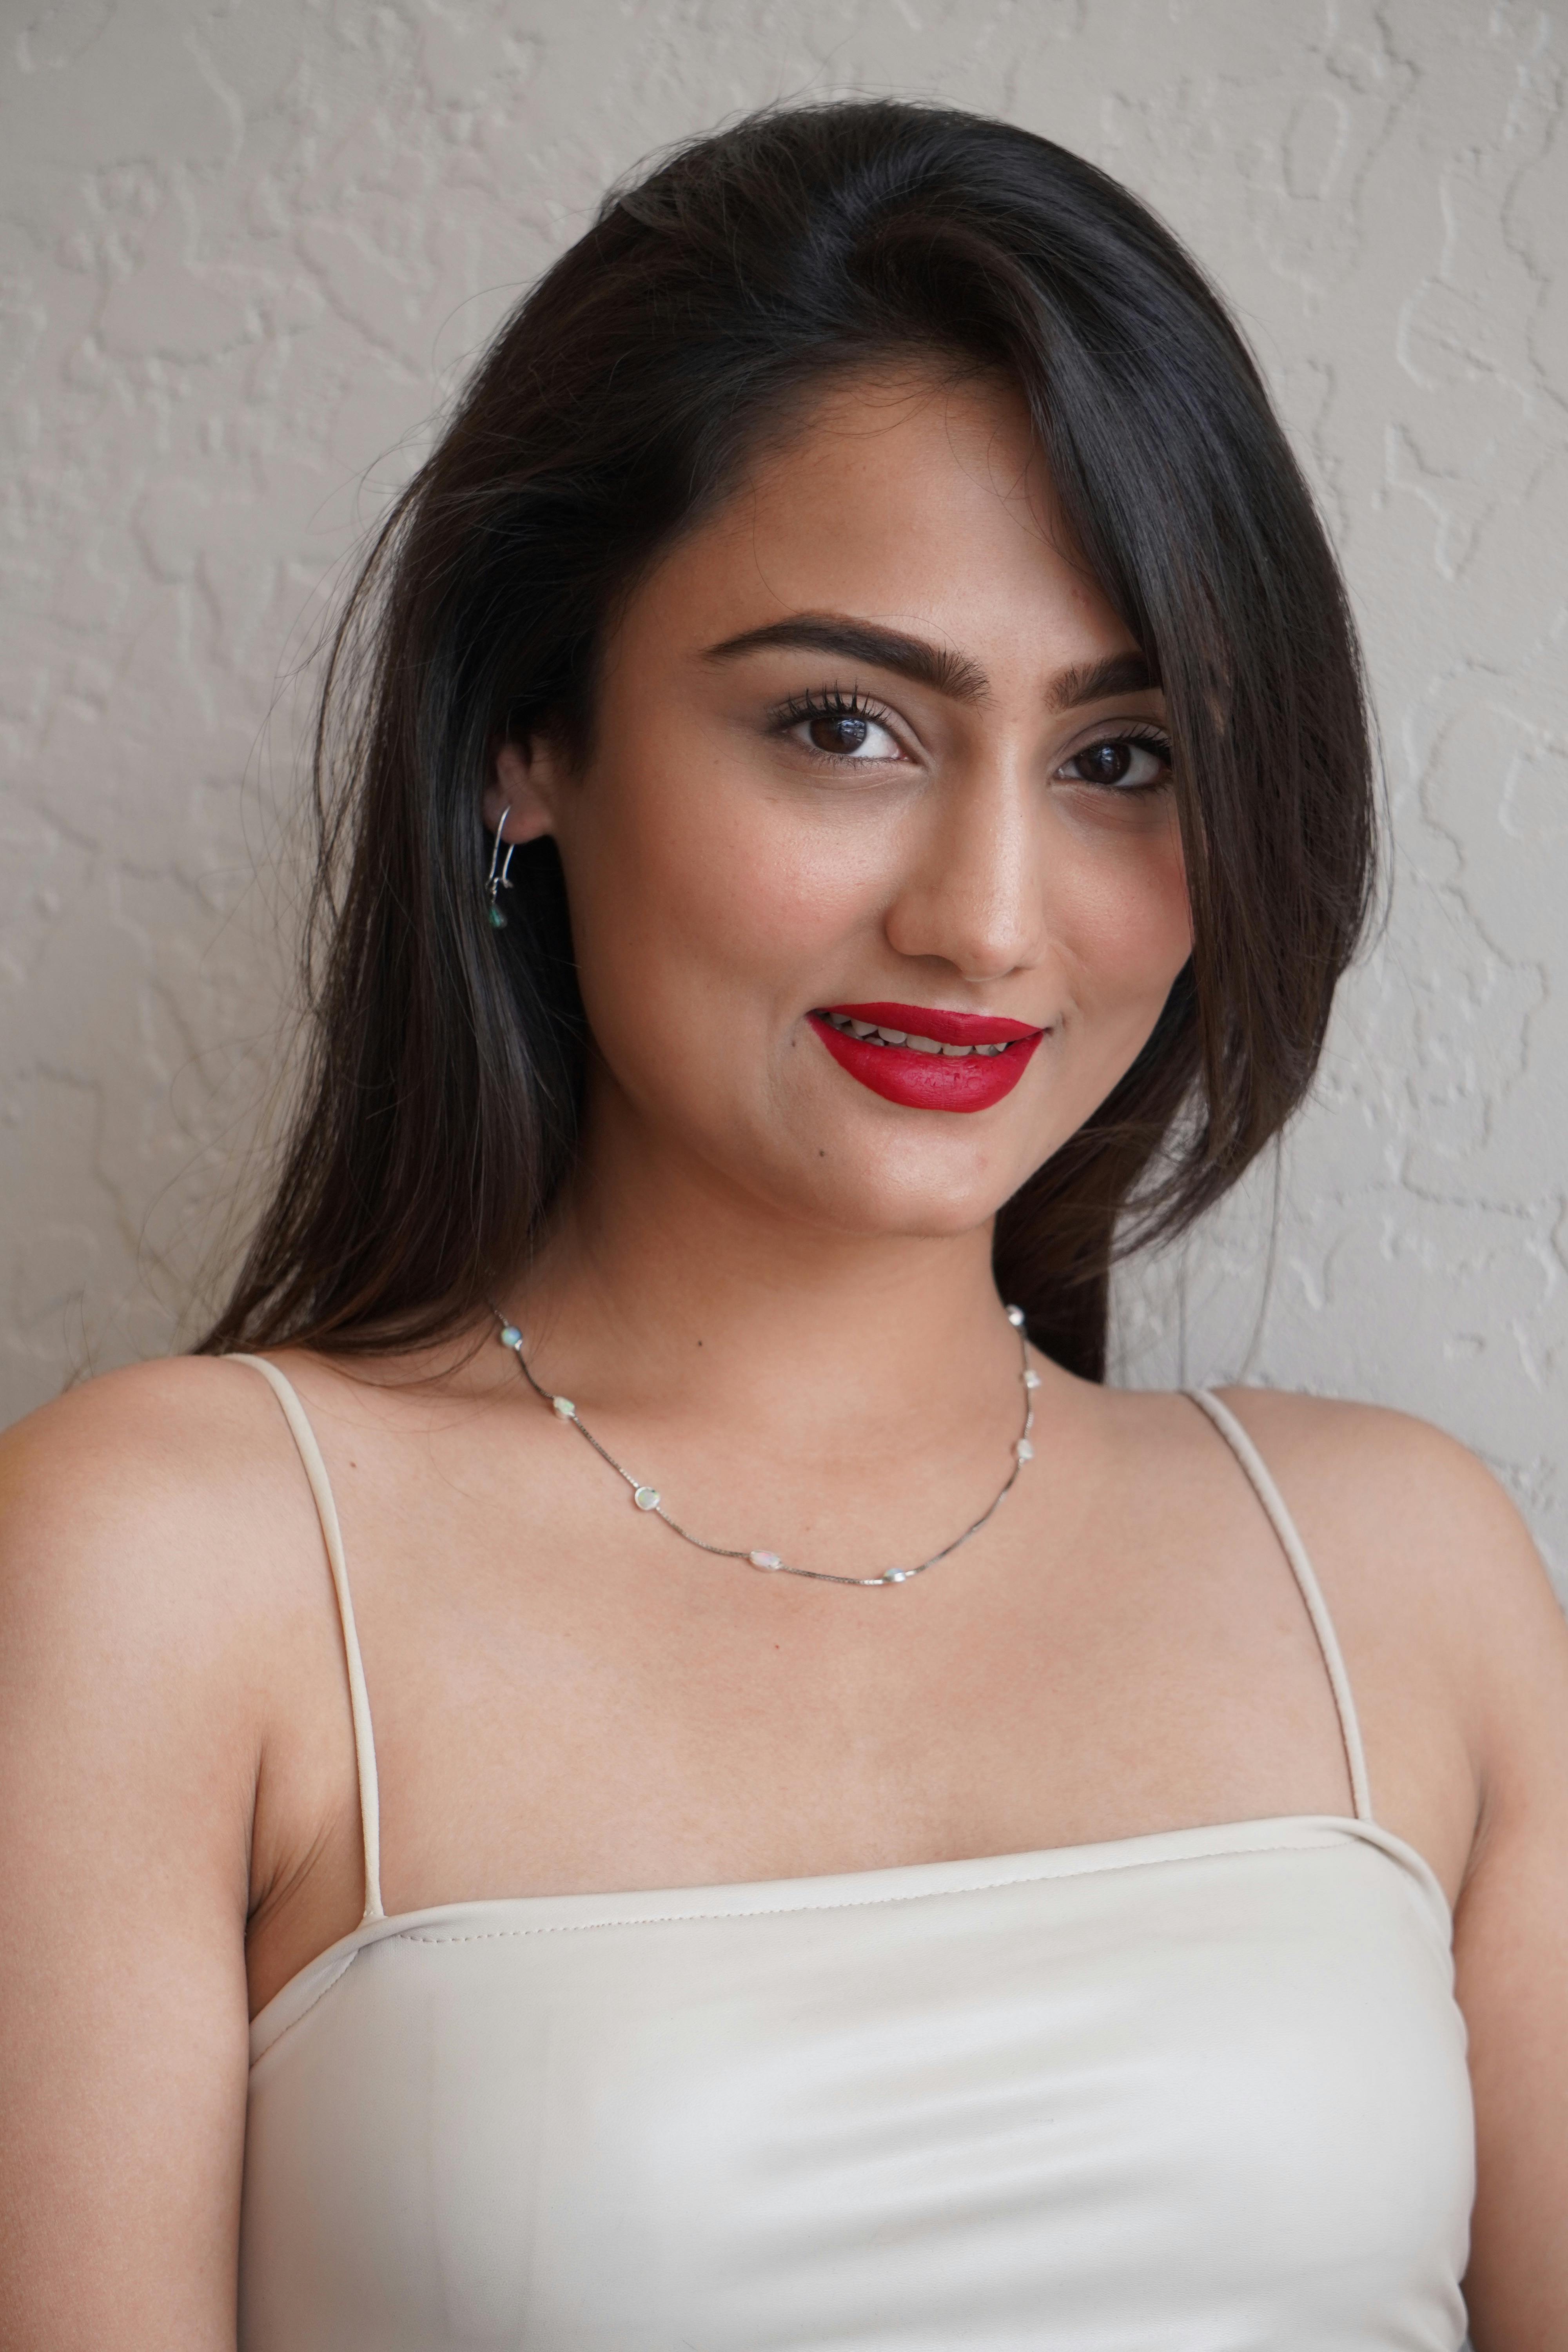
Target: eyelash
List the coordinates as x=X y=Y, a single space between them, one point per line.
x=834 y=703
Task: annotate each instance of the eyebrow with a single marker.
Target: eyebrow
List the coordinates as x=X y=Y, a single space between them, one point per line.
x=825 y=633
x=945 y=672
x=1126 y=673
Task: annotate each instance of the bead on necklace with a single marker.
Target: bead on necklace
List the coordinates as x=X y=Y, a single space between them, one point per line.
x=648 y=1498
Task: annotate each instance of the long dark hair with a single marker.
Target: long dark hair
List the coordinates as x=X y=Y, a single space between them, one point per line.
x=439 y=1111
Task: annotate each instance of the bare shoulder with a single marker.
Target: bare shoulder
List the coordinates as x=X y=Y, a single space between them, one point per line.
x=159 y=1412
x=1397 y=1494
x=164 y=1617
x=145 y=1518
x=1430 y=1572
x=180 y=1449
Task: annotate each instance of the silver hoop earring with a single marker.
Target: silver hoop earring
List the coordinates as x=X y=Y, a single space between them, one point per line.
x=500 y=874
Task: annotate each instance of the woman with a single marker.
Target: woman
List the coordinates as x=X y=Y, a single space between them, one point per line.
x=851 y=796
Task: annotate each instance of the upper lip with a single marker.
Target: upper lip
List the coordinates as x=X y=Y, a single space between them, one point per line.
x=934 y=1021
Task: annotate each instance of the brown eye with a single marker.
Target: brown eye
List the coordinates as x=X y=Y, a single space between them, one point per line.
x=845 y=734
x=1123 y=763
x=839 y=734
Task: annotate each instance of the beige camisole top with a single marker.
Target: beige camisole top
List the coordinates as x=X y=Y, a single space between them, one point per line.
x=1201 y=2091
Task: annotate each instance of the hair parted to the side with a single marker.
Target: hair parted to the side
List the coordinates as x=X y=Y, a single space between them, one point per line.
x=438 y=1112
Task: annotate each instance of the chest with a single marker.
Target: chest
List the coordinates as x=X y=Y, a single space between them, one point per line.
x=566 y=1696
x=573 y=1708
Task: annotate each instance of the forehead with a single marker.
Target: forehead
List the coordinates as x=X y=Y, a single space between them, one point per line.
x=919 y=502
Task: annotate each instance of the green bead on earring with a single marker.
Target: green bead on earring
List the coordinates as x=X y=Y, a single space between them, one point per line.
x=500 y=874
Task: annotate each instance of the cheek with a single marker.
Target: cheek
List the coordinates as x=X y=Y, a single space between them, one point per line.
x=690 y=893
x=1121 y=909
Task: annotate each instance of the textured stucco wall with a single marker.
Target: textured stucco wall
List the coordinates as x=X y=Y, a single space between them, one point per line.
x=247 y=247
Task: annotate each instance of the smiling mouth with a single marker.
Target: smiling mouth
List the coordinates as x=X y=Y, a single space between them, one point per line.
x=870 y=1033
x=927 y=1057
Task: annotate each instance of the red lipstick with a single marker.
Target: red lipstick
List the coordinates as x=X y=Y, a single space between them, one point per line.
x=913 y=1073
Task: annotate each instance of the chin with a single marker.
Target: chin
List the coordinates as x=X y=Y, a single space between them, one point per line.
x=903 y=1195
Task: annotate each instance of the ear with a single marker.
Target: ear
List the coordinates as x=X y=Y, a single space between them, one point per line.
x=519 y=798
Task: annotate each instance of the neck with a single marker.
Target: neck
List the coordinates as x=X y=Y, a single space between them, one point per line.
x=675 y=1283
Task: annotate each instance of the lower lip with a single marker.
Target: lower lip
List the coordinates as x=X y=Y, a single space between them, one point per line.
x=928 y=1081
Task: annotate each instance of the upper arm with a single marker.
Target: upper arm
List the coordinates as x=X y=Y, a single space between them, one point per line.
x=128 y=1742
x=1511 y=1947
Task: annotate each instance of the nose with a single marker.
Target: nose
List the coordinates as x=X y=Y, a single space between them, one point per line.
x=972 y=896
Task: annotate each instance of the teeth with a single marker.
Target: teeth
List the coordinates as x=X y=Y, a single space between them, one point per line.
x=852 y=1028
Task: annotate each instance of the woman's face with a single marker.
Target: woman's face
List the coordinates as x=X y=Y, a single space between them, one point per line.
x=871 y=751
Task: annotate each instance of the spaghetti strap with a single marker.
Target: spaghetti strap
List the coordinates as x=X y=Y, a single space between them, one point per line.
x=1295 y=1550
x=315 y=1469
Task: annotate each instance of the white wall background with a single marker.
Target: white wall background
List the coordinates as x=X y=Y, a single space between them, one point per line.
x=246 y=247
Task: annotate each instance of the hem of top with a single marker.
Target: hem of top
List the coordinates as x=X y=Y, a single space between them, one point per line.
x=845 y=1890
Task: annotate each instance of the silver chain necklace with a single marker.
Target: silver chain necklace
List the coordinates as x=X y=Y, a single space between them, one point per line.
x=648 y=1498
